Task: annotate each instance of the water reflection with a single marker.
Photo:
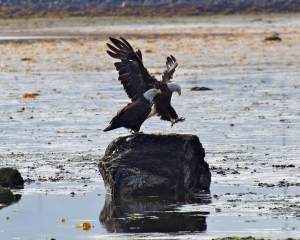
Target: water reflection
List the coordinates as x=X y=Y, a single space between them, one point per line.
x=154 y=214
x=7 y=202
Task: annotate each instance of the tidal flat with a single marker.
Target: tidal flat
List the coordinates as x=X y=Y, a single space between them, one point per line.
x=59 y=89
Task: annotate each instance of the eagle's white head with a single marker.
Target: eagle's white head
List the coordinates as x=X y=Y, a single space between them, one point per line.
x=150 y=94
x=174 y=87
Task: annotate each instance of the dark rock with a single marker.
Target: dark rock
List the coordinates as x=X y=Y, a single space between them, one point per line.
x=148 y=165
x=200 y=89
x=153 y=214
x=10 y=177
x=273 y=38
x=283 y=166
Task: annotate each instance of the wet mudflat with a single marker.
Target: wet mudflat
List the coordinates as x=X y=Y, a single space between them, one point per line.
x=248 y=125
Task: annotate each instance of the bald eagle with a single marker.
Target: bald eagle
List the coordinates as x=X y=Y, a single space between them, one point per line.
x=134 y=114
x=137 y=80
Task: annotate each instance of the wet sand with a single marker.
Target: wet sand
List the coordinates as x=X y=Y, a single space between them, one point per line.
x=248 y=124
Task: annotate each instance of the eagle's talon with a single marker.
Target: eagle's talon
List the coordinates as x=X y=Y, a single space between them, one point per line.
x=135 y=133
x=181 y=119
x=173 y=122
x=138 y=133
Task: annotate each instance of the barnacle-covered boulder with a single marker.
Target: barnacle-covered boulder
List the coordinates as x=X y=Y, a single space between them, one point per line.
x=146 y=165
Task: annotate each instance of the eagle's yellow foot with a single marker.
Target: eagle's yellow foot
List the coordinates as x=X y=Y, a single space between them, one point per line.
x=134 y=134
x=137 y=133
x=177 y=120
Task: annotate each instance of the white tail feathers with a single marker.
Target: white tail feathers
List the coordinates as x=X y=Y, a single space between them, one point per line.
x=152 y=113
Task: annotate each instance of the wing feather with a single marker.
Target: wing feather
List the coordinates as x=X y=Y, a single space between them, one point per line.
x=126 y=43
x=118 y=43
x=139 y=54
x=114 y=55
x=134 y=77
x=171 y=64
x=114 y=49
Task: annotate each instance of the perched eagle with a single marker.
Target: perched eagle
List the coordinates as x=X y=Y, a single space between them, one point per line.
x=134 y=114
x=137 y=80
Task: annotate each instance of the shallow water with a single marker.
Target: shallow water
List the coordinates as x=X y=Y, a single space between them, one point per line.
x=39 y=216
x=248 y=124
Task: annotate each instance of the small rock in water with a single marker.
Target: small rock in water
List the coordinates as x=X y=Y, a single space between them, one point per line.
x=200 y=89
x=273 y=37
x=10 y=177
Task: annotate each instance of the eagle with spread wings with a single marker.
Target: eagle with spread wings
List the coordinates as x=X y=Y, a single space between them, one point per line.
x=136 y=79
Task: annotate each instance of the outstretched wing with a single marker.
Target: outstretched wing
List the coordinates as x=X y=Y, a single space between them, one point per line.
x=171 y=65
x=133 y=75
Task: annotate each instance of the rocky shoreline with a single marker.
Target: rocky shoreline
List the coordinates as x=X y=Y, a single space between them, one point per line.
x=166 y=8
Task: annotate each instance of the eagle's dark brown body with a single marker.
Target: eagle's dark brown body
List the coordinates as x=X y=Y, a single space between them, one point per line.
x=131 y=116
x=162 y=103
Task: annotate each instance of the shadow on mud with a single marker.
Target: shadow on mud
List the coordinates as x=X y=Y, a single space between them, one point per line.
x=154 y=214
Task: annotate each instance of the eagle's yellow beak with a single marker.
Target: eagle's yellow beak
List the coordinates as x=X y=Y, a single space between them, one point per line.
x=158 y=91
x=178 y=91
